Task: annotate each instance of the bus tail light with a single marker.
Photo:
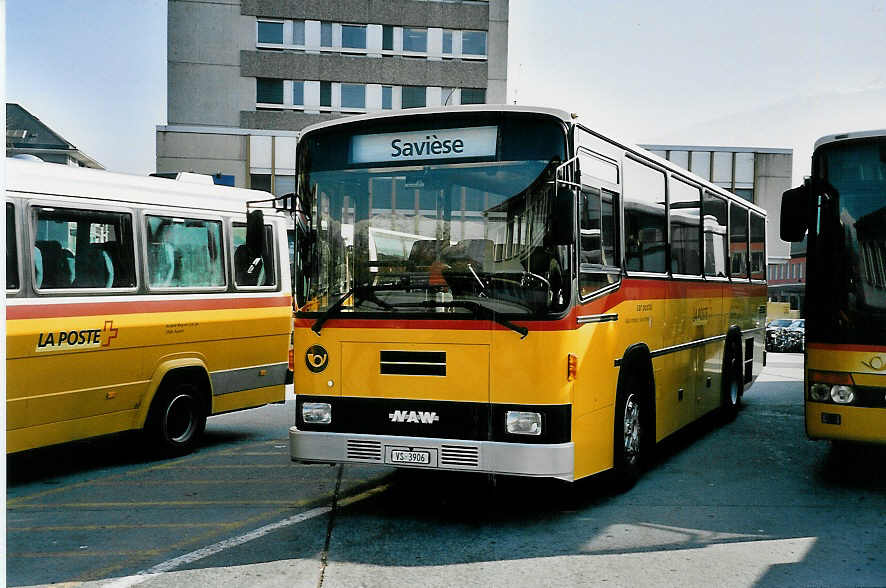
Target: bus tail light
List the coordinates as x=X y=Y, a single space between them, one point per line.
x=291 y=359
x=571 y=367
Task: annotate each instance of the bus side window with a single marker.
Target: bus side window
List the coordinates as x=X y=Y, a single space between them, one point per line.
x=12 y=280
x=184 y=253
x=249 y=270
x=738 y=241
x=685 y=218
x=597 y=222
x=758 y=247
x=83 y=249
x=714 y=221
x=645 y=221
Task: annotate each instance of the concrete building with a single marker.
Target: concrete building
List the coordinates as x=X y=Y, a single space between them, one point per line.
x=244 y=76
x=27 y=135
x=757 y=174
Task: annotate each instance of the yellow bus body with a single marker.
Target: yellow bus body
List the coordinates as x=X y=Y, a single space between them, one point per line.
x=865 y=368
x=495 y=365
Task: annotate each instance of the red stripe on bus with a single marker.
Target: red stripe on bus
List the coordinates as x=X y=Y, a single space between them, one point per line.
x=630 y=289
x=846 y=347
x=36 y=311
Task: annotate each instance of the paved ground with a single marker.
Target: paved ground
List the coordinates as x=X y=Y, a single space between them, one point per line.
x=751 y=503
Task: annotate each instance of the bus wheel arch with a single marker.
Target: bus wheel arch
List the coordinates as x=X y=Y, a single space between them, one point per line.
x=731 y=378
x=634 y=416
x=180 y=403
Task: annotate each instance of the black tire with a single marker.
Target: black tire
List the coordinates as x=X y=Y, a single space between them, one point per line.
x=632 y=414
x=177 y=418
x=731 y=382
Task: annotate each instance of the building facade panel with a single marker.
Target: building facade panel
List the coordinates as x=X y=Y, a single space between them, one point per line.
x=413 y=13
x=207 y=94
x=210 y=33
x=285 y=120
x=360 y=70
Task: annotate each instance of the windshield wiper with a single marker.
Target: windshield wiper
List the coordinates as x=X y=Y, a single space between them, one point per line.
x=361 y=293
x=479 y=310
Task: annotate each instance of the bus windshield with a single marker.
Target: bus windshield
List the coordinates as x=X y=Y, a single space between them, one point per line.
x=854 y=240
x=435 y=219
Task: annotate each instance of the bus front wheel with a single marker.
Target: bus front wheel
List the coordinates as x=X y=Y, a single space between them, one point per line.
x=177 y=418
x=630 y=437
x=732 y=382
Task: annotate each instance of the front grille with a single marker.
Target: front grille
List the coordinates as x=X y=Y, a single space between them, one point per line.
x=413 y=363
x=460 y=457
x=364 y=450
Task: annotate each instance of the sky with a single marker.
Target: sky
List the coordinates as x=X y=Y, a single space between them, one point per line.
x=751 y=73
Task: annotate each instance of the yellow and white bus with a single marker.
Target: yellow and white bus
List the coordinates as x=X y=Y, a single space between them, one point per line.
x=136 y=303
x=566 y=301
x=843 y=207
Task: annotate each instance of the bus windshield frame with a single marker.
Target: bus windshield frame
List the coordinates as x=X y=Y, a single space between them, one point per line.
x=434 y=214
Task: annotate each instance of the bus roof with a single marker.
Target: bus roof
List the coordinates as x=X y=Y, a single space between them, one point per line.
x=849 y=136
x=30 y=177
x=356 y=119
x=564 y=116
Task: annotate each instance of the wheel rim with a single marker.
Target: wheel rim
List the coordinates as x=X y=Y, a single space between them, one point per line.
x=733 y=385
x=180 y=419
x=632 y=429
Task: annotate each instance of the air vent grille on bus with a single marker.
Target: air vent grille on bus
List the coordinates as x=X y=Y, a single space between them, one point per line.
x=413 y=363
x=460 y=457
x=365 y=450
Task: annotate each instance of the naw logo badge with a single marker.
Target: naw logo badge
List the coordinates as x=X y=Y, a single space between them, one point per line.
x=413 y=416
x=66 y=339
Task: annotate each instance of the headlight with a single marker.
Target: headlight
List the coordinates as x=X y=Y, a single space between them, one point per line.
x=316 y=413
x=523 y=423
x=820 y=392
x=842 y=394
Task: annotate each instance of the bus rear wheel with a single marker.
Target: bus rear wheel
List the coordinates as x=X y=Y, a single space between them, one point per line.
x=177 y=418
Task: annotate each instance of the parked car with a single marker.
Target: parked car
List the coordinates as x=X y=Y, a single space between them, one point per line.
x=777 y=336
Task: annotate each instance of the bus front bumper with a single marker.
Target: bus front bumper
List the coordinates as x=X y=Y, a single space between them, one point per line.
x=518 y=459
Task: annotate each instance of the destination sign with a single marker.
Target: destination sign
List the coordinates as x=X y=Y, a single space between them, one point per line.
x=424 y=145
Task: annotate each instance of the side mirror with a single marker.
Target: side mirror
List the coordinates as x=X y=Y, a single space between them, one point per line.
x=796 y=208
x=563 y=217
x=255 y=232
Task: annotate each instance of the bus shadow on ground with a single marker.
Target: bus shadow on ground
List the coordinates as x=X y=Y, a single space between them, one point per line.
x=48 y=464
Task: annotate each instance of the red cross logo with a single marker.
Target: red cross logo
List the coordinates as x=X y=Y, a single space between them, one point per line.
x=112 y=333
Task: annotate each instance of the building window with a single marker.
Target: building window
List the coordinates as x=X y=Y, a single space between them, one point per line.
x=270 y=32
x=723 y=169
x=414 y=97
x=353 y=36
x=326 y=34
x=298 y=93
x=447 y=42
x=473 y=96
x=746 y=193
x=387 y=38
x=298 y=33
x=353 y=96
x=415 y=40
x=325 y=93
x=700 y=164
x=387 y=95
x=268 y=91
x=473 y=42
x=447 y=97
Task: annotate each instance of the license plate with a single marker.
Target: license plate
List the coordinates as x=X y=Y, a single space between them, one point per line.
x=410 y=457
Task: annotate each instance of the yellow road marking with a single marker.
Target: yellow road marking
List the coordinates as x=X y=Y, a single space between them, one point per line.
x=52 y=528
x=148 y=504
x=80 y=553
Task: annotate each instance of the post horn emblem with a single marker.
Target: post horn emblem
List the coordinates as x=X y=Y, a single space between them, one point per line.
x=316 y=358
